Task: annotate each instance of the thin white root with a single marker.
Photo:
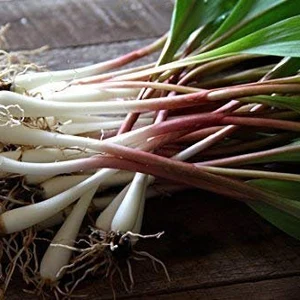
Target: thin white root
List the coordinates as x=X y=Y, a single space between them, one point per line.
x=55 y=258
x=11 y=115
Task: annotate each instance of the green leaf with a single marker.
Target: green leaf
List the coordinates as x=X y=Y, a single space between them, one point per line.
x=250 y=16
x=188 y=15
x=280 y=39
x=204 y=33
x=285 y=189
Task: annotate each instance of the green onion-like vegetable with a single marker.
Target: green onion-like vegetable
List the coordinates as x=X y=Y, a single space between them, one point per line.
x=85 y=148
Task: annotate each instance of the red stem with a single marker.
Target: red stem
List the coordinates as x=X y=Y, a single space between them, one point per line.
x=247 y=158
x=171 y=173
x=234 y=92
x=278 y=124
x=182 y=172
x=199 y=134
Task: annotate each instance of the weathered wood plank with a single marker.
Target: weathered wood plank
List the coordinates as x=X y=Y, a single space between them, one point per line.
x=208 y=242
x=212 y=246
x=63 y=23
x=278 y=289
x=70 y=57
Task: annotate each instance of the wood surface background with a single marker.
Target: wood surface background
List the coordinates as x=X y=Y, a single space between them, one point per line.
x=214 y=248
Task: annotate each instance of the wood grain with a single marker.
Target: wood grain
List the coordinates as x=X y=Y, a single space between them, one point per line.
x=214 y=248
x=209 y=242
x=70 y=57
x=277 y=289
x=63 y=23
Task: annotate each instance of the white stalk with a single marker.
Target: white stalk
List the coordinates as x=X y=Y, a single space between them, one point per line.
x=102 y=202
x=46 y=154
x=203 y=144
x=88 y=119
x=33 y=107
x=35 y=137
x=86 y=94
x=129 y=215
x=140 y=214
x=42 y=169
x=26 y=216
x=22 y=135
x=126 y=216
x=79 y=128
x=105 y=219
x=47 y=89
x=98 y=203
x=57 y=257
x=58 y=184
x=32 y=80
x=96 y=119
x=78 y=94
x=38 y=155
x=15 y=155
x=7 y=219
x=54 y=155
x=29 y=81
x=99 y=78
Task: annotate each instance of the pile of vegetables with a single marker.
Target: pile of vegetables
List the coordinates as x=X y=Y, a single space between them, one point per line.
x=82 y=149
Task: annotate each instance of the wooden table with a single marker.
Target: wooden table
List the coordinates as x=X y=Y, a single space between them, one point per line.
x=214 y=248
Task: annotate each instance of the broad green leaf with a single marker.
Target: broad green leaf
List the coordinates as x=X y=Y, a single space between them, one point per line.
x=280 y=39
x=289 y=191
x=188 y=15
x=250 y=16
x=278 y=13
